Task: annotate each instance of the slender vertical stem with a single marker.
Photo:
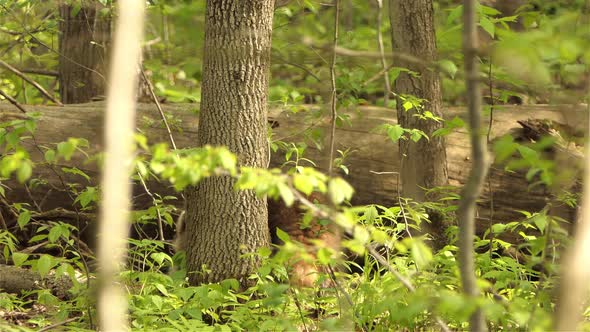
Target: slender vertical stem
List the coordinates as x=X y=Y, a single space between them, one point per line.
x=474 y=185
x=116 y=185
x=386 y=86
x=333 y=81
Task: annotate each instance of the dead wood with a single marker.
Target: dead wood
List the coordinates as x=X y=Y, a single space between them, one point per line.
x=17 y=280
x=371 y=152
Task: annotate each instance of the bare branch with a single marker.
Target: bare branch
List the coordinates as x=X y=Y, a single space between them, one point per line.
x=30 y=81
x=39 y=71
x=13 y=101
x=157 y=102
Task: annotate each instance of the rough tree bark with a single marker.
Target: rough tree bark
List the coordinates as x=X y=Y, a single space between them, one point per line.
x=83 y=45
x=423 y=163
x=224 y=224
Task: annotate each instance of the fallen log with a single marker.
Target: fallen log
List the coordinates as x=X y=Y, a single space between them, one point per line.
x=372 y=154
x=16 y=280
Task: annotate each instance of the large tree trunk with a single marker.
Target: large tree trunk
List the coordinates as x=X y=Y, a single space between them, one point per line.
x=424 y=163
x=224 y=224
x=83 y=44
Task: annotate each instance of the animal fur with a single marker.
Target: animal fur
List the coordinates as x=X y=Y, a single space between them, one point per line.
x=288 y=219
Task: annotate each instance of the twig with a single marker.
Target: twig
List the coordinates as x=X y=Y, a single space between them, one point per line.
x=333 y=81
x=155 y=202
x=382 y=51
x=30 y=194
x=407 y=283
x=403 y=57
x=399 y=199
x=10 y=208
x=488 y=138
x=58 y=324
x=3 y=221
x=30 y=81
x=341 y=290
x=63 y=213
x=31 y=249
x=155 y=99
x=39 y=71
x=477 y=174
x=300 y=311
x=296 y=65
x=379 y=74
x=13 y=101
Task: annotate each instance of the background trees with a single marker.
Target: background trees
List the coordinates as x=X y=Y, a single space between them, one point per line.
x=84 y=41
x=398 y=282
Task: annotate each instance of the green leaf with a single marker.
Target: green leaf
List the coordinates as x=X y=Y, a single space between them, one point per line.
x=528 y=154
x=303 y=183
x=44 y=265
x=371 y=214
x=408 y=105
x=324 y=256
x=487 y=25
x=74 y=170
x=24 y=171
x=421 y=254
x=89 y=195
x=23 y=218
x=160 y=257
x=157 y=301
x=162 y=289
x=54 y=234
x=282 y=235
x=339 y=190
x=19 y=258
x=448 y=67
x=50 y=156
x=66 y=150
x=380 y=236
x=540 y=220
x=395 y=132
x=30 y=125
x=416 y=135
x=455 y=14
x=504 y=147
x=286 y=194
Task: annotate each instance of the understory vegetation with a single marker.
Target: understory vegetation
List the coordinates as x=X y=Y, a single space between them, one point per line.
x=389 y=273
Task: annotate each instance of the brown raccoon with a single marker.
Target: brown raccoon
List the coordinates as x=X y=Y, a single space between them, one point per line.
x=288 y=219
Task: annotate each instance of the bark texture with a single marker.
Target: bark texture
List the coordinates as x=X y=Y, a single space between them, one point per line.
x=223 y=224
x=423 y=164
x=83 y=45
x=16 y=280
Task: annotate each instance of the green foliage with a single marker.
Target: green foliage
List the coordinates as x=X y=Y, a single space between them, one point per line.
x=538 y=51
